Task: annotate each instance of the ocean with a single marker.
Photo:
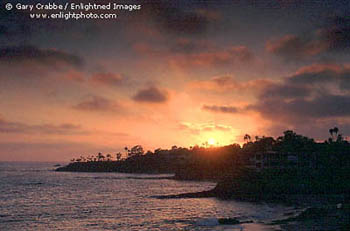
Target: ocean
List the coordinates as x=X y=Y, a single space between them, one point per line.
x=35 y=197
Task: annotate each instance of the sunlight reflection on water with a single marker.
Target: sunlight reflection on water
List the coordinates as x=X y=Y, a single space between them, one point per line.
x=33 y=197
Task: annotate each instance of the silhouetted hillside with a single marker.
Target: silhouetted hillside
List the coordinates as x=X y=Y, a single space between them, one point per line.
x=290 y=164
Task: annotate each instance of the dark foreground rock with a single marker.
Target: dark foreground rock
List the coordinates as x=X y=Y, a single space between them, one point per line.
x=322 y=218
x=203 y=194
x=228 y=221
x=232 y=221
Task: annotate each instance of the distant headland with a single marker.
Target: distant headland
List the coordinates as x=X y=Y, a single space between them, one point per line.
x=290 y=164
x=292 y=169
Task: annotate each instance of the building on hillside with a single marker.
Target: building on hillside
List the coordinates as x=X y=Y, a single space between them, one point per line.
x=273 y=160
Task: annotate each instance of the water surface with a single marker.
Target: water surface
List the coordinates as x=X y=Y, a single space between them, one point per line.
x=34 y=197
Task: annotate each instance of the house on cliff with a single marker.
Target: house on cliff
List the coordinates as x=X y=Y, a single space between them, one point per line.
x=276 y=160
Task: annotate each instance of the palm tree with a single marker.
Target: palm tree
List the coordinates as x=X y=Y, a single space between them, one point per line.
x=331 y=131
x=127 y=151
x=118 y=156
x=109 y=157
x=100 y=157
x=247 y=138
x=336 y=130
x=205 y=144
x=340 y=138
x=136 y=151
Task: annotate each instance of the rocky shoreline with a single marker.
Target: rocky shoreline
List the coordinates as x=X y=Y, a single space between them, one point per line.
x=324 y=199
x=318 y=211
x=336 y=217
x=321 y=212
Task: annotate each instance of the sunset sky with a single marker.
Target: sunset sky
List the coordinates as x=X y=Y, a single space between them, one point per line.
x=175 y=72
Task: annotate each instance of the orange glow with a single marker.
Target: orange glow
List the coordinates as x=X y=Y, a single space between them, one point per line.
x=211 y=141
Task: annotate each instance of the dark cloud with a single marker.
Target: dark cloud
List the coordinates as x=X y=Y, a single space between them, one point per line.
x=230 y=55
x=108 y=79
x=173 y=19
x=17 y=127
x=189 y=53
x=321 y=76
x=98 y=103
x=334 y=36
x=345 y=83
x=151 y=95
x=228 y=83
x=15 y=55
x=3 y=30
x=337 y=33
x=177 y=21
x=19 y=28
x=14 y=26
x=39 y=68
x=294 y=47
x=303 y=110
x=283 y=91
x=306 y=97
x=310 y=102
x=310 y=78
x=221 y=109
x=188 y=46
x=234 y=55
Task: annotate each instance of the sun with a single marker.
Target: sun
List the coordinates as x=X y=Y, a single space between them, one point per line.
x=211 y=141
